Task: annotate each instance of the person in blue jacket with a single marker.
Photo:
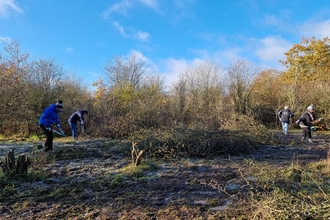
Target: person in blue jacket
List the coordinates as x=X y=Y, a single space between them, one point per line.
x=74 y=118
x=49 y=117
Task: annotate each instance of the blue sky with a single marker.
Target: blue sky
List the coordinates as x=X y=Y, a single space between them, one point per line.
x=170 y=35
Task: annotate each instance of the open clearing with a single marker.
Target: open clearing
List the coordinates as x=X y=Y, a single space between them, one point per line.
x=91 y=179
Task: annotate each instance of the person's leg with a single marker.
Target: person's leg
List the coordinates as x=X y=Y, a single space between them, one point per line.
x=74 y=130
x=306 y=130
x=285 y=128
x=49 y=138
x=303 y=133
x=309 y=135
x=71 y=128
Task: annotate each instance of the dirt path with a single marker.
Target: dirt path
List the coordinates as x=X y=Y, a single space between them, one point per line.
x=292 y=149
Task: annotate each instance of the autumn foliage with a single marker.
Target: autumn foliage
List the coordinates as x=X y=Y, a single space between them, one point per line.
x=131 y=95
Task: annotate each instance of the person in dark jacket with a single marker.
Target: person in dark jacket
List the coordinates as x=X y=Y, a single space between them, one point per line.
x=284 y=116
x=49 y=117
x=74 y=118
x=305 y=122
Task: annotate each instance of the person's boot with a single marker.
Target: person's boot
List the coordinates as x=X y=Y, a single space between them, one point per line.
x=310 y=141
x=48 y=148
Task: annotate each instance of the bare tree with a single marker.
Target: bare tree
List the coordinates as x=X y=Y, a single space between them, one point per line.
x=198 y=91
x=13 y=89
x=45 y=78
x=241 y=74
x=120 y=72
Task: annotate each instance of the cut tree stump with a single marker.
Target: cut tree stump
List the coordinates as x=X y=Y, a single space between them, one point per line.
x=10 y=168
x=136 y=154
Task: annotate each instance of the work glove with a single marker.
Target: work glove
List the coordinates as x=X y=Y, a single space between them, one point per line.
x=48 y=128
x=58 y=126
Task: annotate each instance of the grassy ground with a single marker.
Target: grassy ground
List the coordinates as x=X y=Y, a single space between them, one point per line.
x=95 y=179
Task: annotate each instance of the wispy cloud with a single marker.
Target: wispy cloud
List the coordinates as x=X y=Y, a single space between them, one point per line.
x=5 y=39
x=143 y=36
x=69 y=50
x=119 y=28
x=120 y=8
x=150 y=3
x=271 y=20
x=181 y=9
x=131 y=32
x=8 y=6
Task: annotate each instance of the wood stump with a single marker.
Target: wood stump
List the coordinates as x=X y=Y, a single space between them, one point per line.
x=136 y=154
x=10 y=168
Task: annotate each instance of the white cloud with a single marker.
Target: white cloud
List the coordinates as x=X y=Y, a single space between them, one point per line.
x=69 y=49
x=150 y=3
x=5 y=39
x=119 y=28
x=120 y=8
x=6 y=6
x=139 y=55
x=271 y=20
x=144 y=36
x=131 y=32
x=172 y=68
x=265 y=52
x=222 y=57
x=272 y=48
x=316 y=29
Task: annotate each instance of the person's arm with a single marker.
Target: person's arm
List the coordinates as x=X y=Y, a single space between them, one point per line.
x=291 y=115
x=82 y=122
x=45 y=115
x=299 y=120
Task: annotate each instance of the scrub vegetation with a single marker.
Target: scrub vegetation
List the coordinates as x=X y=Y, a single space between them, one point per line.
x=211 y=143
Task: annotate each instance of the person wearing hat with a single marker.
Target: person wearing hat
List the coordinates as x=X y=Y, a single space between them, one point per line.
x=305 y=122
x=74 y=118
x=49 y=117
x=284 y=116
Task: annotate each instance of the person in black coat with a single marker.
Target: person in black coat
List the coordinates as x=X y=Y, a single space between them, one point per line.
x=74 y=118
x=305 y=122
x=284 y=116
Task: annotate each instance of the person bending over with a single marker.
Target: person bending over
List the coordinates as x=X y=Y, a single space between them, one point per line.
x=74 y=118
x=48 y=117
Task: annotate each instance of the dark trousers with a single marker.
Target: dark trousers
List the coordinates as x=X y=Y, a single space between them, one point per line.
x=306 y=132
x=49 y=138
